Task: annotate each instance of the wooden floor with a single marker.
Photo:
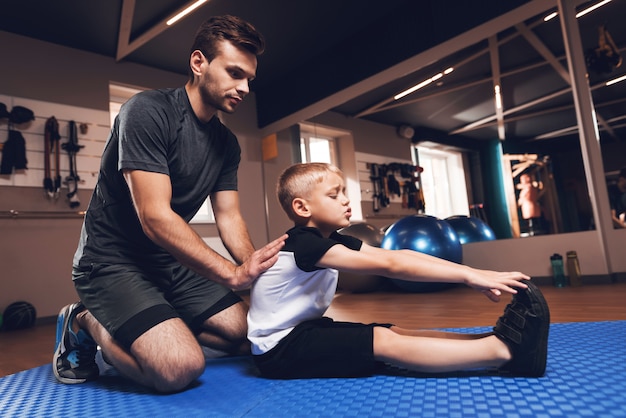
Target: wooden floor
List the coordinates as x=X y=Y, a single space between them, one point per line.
x=457 y=307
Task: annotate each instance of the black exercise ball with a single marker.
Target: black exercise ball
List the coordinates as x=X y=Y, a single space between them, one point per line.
x=361 y=283
x=19 y=315
x=365 y=232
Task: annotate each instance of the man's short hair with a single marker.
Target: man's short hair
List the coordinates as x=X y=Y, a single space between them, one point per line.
x=227 y=28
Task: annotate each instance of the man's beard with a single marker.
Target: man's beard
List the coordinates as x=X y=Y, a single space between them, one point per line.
x=210 y=100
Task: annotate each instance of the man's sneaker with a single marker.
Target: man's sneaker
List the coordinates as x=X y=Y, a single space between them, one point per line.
x=74 y=358
x=524 y=328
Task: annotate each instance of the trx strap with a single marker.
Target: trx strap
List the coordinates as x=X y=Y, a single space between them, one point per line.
x=51 y=146
x=72 y=147
x=375 y=178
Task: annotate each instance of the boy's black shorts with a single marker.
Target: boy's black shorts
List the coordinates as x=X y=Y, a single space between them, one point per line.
x=322 y=348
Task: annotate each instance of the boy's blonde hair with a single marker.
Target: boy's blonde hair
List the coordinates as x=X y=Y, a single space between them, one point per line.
x=298 y=180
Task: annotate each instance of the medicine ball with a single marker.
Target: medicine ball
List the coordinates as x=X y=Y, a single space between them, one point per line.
x=19 y=315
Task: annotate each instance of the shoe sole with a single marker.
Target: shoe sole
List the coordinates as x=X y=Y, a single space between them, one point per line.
x=65 y=313
x=543 y=311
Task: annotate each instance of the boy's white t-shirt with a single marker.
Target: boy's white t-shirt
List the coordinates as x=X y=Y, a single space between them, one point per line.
x=294 y=290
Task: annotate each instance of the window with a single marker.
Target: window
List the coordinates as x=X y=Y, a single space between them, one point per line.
x=317 y=148
x=118 y=95
x=204 y=215
x=443 y=182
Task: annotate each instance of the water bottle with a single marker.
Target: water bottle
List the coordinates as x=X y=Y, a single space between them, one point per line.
x=558 y=275
x=573 y=269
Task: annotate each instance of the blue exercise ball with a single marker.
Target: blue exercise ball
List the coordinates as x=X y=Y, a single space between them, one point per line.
x=471 y=229
x=426 y=234
x=361 y=283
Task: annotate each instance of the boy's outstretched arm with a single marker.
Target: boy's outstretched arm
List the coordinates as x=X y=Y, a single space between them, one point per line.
x=419 y=267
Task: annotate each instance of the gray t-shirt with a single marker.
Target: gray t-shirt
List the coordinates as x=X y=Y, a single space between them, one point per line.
x=155 y=131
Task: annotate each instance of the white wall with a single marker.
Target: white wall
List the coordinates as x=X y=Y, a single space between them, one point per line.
x=531 y=255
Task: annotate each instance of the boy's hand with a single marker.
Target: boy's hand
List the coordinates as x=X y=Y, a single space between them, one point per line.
x=493 y=283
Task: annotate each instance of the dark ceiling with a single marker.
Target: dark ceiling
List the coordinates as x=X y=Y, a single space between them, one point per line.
x=361 y=53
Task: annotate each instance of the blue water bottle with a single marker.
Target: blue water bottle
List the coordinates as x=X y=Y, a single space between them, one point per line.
x=558 y=273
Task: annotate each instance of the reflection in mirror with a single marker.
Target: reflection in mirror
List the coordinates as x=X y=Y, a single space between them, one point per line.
x=617 y=198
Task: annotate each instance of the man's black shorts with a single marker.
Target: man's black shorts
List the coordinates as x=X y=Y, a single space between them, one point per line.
x=128 y=300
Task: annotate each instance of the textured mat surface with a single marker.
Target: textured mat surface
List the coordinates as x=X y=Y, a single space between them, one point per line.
x=586 y=377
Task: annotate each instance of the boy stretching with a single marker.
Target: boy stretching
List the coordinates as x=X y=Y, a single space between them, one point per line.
x=292 y=339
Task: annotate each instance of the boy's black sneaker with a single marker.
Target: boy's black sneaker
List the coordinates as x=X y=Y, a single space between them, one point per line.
x=524 y=328
x=74 y=358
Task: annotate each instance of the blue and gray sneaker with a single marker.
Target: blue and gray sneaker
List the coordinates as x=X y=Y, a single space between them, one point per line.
x=74 y=358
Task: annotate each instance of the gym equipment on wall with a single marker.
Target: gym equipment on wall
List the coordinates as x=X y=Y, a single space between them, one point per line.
x=52 y=185
x=72 y=147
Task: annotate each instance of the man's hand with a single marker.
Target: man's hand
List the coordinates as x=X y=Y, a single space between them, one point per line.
x=261 y=260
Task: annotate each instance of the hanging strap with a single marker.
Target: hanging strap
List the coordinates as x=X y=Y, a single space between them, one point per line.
x=72 y=147
x=51 y=146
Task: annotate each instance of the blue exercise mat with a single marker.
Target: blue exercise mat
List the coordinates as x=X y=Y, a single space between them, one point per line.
x=586 y=377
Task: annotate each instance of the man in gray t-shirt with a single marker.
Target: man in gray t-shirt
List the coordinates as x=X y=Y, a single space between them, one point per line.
x=151 y=291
